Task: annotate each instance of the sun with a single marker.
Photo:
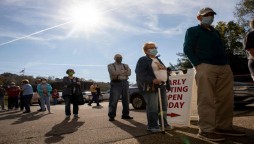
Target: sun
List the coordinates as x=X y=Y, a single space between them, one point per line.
x=85 y=16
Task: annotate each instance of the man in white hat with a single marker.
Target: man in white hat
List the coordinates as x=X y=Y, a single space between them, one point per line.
x=214 y=78
x=119 y=74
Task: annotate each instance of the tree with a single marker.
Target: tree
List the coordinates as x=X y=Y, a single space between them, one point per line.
x=244 y=12
x=183 y=63
x=232 y=36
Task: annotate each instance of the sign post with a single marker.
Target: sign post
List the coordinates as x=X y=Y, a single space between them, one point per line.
x=179 y=98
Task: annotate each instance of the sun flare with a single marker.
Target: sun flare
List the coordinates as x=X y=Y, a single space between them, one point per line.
x=86 y=16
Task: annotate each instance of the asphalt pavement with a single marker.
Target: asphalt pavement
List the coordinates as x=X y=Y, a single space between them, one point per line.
x=93 y=127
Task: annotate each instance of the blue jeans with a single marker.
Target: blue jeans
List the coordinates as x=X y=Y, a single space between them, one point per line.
x=95 y=99
x=27 y=99
x=45 y=99
x=55 y=101
x=153 y=110
x=117 y=89
x=67 y=101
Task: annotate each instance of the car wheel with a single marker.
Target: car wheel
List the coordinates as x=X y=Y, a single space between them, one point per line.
x=138 y=102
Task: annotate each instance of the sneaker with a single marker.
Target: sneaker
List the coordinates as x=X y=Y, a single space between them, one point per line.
x=210 y=136
x=26 y=112
x=231 y=132
x=154 y=130
x=127 y=117
x=67 y=117
x=76 y=116
x=111 y=119
x=169 y=128
x=50 y=112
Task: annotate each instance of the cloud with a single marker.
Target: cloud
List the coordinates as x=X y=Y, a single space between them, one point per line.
x=135 y=17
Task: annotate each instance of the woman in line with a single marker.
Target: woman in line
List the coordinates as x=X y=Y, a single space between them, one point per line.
x=151 y=74
x=27 y=93
x=70 y=91
x=44 y=90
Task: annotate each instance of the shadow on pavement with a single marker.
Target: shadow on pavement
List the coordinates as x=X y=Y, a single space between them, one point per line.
x=27 y=117
x=248 y=139
x=136 y=129
x=65 y=127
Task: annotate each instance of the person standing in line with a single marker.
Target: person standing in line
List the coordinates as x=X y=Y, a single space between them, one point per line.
x=249 y=47
x=95 y=98
x=151 y=74
x=13 y=92
x=44 y=90
x=98 y=93
x=2 y=94
x=119 y=74
x=27 y=93
x=55 y=96
x=70 y=90
x=207 y=53
x=38 y=81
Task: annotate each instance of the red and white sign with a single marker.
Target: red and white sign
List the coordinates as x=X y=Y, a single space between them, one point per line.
x=179 y=99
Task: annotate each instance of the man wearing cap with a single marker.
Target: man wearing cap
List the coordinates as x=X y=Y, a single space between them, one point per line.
x=119 y=74
x=214 y=78
x=249 y=47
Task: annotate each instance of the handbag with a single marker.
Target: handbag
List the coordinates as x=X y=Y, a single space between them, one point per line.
x=77 y=98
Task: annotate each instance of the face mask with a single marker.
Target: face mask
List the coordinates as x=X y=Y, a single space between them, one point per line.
x=153 y=52
x=207 y=20
x=71 y=73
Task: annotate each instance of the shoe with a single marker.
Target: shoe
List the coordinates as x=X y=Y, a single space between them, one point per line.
x=211 y=136
x=127 y=117
x=67 y=117
x=26 y=112
x=154 y=130
x=76 y=116
x=39 y=110
x=89 y=104
x=50 y=112
x=168 y=128
x=98 y=105
x=231 y=132
x=111 y=119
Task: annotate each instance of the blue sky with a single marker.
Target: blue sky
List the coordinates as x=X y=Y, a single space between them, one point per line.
x=46 y=37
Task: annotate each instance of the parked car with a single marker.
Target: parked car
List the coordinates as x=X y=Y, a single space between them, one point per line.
x=105 y=95
x=243 y=95
x=36 y=97
x=87 y=95
x=136 y=98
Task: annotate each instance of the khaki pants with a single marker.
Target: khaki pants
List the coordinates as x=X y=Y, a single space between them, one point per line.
x=215 y=97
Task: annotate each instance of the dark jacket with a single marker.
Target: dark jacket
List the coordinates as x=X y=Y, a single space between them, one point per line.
x=71 y=87
x=145 y=75
x=204 y=46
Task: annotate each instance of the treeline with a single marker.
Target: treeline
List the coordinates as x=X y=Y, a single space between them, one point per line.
x=7 y=78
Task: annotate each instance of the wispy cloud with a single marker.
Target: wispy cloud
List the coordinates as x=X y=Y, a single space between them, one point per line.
x=134 y=17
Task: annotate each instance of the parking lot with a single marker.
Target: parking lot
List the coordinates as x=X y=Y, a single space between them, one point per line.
x=94 y=127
